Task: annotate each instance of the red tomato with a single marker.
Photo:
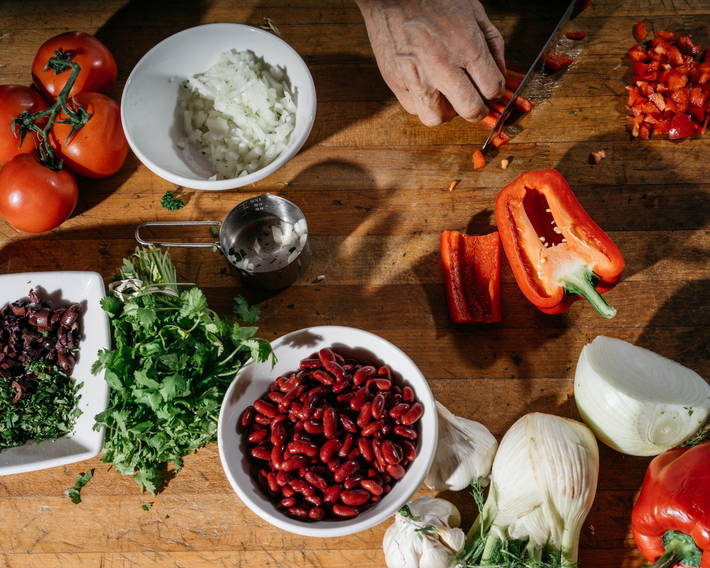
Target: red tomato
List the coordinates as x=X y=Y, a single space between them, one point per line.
x=98 y=67
x=99 y=148
x=13 y=100
x=34 y=198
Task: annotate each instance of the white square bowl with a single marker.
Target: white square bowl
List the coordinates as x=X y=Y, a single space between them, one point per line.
x=87 y=290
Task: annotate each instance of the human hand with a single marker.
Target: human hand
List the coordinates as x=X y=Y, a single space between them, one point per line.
x=440 y=57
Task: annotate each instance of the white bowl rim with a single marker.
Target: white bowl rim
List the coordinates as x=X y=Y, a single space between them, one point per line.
x=232 y=183
x=312 y=529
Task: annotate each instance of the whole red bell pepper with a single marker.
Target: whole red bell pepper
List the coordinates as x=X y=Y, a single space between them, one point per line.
x=671 y=518
x=556 y=251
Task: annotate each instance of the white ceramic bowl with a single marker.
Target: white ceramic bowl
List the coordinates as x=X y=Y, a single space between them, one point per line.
x=253 y=381
x=148 y=106
x=86 y=289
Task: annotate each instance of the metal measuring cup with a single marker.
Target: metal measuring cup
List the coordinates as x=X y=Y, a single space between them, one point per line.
x=243 y=218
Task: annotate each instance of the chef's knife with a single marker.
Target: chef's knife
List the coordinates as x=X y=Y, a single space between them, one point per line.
x=536 y=66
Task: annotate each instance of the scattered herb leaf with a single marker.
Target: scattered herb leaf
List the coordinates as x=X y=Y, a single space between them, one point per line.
x=75 y=492
x=170 y=202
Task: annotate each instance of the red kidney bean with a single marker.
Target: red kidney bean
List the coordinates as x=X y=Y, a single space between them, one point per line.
x=315 y=390
x=359 y=399
x=391 y=452
x=372 y=427
x=309 y=364
x=257 y=436
x=265 y=408
x=261 y=453
x=316 y=480
x=396 y=471
x=353 y=481
x=276 y=457
x=394 y=399
x=282 y=478
x=261 y=419
x=413 y=414
x=345 y=397
x=380 y=384
x=345 y=511
x=371 y=486
x=331 y=494
x=335 y=369
x=365 y=414
x=278 y=433
x=345 y=470
x=316 y=513
x=398 y=411
x=408 y=394
x=355 y=497
x=318 y=413
x=406 y=432
x=287 y=491
x=328 y=449
x=275 y=397
x=330 y=423
x=297 y=512
x=292 y=395
x=302 y=486
x=348 y=423
x=279 y=418
x=333 y=464
x=363 y=373
x=347 y=445
x=326 y=355
x=287 y=502
x=340 y=386
x=271 y=480
x=313 y=500
x=365 y=447
x=312 y=427
x=323 y=377
x=294 y=462
x=354 y=453
x=375 y=499
x=300 y=447
x=247 y=418
x=378 y=405
x=409 y=449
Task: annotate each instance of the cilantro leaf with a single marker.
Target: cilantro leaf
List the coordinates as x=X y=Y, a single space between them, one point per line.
x=170 y=202
x=245 y=312
x=82 y=479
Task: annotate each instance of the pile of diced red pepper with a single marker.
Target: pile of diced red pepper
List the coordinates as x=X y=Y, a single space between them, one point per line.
x=670 y=91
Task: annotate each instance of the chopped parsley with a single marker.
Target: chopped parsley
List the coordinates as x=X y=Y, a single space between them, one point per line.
x=170 y=202
x=75 y=492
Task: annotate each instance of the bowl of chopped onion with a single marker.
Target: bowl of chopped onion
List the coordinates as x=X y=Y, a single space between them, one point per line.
x=218 y=106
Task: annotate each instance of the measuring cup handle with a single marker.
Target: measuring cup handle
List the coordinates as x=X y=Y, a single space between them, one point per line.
x=142 y=241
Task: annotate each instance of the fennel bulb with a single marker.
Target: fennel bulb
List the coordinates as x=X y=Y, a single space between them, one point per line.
x=543 y=483
x=425 y=534
x=636 y=401
x=464 y=452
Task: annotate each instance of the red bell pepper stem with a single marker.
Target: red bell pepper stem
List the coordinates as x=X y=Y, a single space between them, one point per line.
x=582 y=283
x=679 y=548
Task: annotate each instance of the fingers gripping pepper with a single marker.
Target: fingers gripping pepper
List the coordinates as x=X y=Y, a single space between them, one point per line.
x=557 y=252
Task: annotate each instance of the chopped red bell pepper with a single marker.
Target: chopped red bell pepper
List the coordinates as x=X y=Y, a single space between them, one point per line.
x=555 y=249
x=471 y=267
x=478 y=159
x=576 y=35
x=556 y=62
x=513 y=79
x=640 y=31
x=500 y=139
x=521 y=103
x=671 y=518
x=681 y=126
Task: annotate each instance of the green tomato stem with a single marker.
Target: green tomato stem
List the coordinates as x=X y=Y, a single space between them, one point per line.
x=582 y=284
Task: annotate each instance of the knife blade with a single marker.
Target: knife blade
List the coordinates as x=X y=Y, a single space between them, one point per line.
x=534 y=68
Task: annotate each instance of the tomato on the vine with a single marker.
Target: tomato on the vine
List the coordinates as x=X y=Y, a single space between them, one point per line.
x=13 y=100
x=98 y=66
x=33 y=197
x=99 y=148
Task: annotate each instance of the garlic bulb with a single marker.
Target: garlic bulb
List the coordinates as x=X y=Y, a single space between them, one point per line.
x=425 y=534
x=464 y=452
x=543 y=483
x=636 y=401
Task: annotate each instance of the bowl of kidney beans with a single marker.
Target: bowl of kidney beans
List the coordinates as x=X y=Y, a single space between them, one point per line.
x=332 y=440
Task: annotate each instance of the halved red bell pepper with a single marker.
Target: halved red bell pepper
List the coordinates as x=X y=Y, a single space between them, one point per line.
x=671 y=518
x=471 y=267
x=557 y=252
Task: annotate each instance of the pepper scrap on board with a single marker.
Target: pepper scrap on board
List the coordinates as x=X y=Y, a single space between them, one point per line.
x=671 y=518
x=557 y=252
x=471 y=266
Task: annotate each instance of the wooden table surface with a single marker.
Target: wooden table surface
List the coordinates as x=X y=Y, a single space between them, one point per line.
x=373 y=184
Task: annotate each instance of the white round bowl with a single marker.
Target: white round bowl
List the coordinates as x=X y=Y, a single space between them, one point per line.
x=149 y=114
x=254 y=380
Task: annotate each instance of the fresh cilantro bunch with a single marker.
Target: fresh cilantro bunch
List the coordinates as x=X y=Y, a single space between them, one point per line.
x=172 y=361
x=49 y=412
